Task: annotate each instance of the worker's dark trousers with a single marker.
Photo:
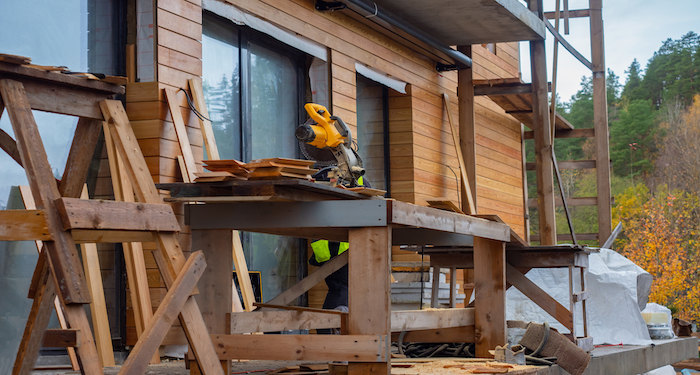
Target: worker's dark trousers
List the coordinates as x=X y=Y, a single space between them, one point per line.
x=337 y=292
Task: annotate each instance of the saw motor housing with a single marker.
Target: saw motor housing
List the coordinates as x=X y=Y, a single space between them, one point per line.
x=324 y=131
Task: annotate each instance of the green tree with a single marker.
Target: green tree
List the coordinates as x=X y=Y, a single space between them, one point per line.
x=633 y=86
x=632 y=139
x=674 y=71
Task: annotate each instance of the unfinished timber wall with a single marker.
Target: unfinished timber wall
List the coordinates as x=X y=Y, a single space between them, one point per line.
x=421 y=147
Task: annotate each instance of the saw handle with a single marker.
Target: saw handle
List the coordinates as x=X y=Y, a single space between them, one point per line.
x=318 y=113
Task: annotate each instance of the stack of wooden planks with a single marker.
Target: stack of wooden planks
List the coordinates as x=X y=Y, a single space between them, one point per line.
x=261 y=169
x=26 y=61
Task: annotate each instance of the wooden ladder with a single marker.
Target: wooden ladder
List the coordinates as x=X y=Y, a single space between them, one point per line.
x=62 y=220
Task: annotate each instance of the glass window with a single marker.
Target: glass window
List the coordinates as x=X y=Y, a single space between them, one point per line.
x=83 y=36
x=372 y=123
x=253 y=86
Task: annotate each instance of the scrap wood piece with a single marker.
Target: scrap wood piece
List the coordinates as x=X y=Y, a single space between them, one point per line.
x=364 y=190
x=286 y=161
x=216 y=177
x=204 y=123
x=229 y=165
x=239 y=263
x=282 y=168
x=462 y=164
x=170 y=307
x=15 y=59
x=181 y=132
x=444 y=204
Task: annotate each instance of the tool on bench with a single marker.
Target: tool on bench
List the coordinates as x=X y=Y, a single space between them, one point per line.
x=328 y=140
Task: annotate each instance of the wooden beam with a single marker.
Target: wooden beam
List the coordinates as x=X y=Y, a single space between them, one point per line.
x=539 y=297
x=567 y=237
x=577 y=13
x=98 y=306
x=511 y=89
x=65 y=263
x=310 y=281
x=600 y=120
x=573 y=164
x=572 y=202
x=10 y=146
x=365 y=348
x=181 y=132
x=573 y=133
x=456 y=334
x=543 y=139
x=275 y=321
x=467 y=131
x=242 y=271
x=518 y=258
x=369 y=297
x=169 y=256
x=61 y=338
x=170 y=306
x=201 y=106
x=23 y=225
x=568 y=46
x=110 y=236
x=431 y=319
x=85 y=138
x=490 y=289
x=470 y=207
x=111 y=215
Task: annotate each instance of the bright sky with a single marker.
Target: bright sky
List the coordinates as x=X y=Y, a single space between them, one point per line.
x=633 y=29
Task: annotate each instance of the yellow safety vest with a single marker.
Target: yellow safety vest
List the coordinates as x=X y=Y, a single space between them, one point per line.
x=323 y=252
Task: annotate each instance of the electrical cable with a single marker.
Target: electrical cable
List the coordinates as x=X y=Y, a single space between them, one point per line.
x=459 y=199
x=192 y=107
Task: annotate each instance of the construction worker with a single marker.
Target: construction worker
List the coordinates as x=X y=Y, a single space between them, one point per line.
x=323 y=251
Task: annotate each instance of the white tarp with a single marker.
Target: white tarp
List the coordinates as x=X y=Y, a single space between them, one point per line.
x=613 y=313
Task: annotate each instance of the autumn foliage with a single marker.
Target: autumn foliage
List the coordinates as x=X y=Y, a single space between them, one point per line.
x=661 y=235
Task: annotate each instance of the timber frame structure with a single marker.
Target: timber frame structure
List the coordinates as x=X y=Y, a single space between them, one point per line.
x=158 y=138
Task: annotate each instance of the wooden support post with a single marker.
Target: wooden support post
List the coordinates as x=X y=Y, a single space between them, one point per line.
x=467 y=129
x=435 y=289
x=62 y=254
x=525 y=192
x=370 y=290
x=133 y=251
x=543 y=137
x=169 y=256
x=490 y=288
x=215 y=285
x=173 y=302
x=87 y=134
x=600 y=120
x=98 y=307
x=453 y=287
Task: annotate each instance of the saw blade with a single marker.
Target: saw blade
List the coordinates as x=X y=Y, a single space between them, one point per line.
x=323 y=157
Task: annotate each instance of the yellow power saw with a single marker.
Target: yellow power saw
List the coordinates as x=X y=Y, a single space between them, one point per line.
x=326 y=132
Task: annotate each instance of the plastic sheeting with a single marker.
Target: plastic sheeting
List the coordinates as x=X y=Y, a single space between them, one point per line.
x=614 y=315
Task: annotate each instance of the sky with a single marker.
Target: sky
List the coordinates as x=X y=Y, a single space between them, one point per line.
x=633 y=29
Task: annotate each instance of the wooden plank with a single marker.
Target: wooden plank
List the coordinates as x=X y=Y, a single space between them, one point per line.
x=435 y=288
x=85 y=138
x=490 y=289
x=23 y=225
x=178 y=294
x=572 y=202
x=310 y=281
x=181 y=132
x=567 y=237
x=169 y=256
x=29 y=204
x=61 y=338
x=365 y=348
x=442 y=335
x=369 y=297
x=275 y=321
x=242 y=272
x=573 y=164
x=98 y=306
x=205 y=124
x=9 y=145
x=600 y=119
x=101 y=214
x=539 y=297
x=577 y=13
x=65 y=262
x=467 y=133
x=130 y=63
x=568 y=46
x=412 y=320
x=573 y=133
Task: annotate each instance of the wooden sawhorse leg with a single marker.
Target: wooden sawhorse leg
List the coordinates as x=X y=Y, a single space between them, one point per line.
x=369 y=296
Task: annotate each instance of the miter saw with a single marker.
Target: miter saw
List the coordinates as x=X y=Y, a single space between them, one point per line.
x=328 y=140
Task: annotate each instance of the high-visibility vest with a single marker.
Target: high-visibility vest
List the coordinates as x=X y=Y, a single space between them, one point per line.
x=324 y=250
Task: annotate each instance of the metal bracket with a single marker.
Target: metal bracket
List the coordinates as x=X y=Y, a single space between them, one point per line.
x=440 y=67
x=324 y=6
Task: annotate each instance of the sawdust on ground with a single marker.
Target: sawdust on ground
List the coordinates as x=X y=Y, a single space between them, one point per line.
x=459 y=367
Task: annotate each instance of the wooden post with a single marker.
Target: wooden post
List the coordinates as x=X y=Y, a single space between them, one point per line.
x=467 y=132
x=600 y=120
x=369 y=291
x=216 y=283
x=526 y=218
x=490 y=289
x=543 y=137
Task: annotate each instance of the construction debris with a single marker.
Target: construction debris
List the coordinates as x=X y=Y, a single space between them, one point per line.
x=547 y=342
x=463 y=366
